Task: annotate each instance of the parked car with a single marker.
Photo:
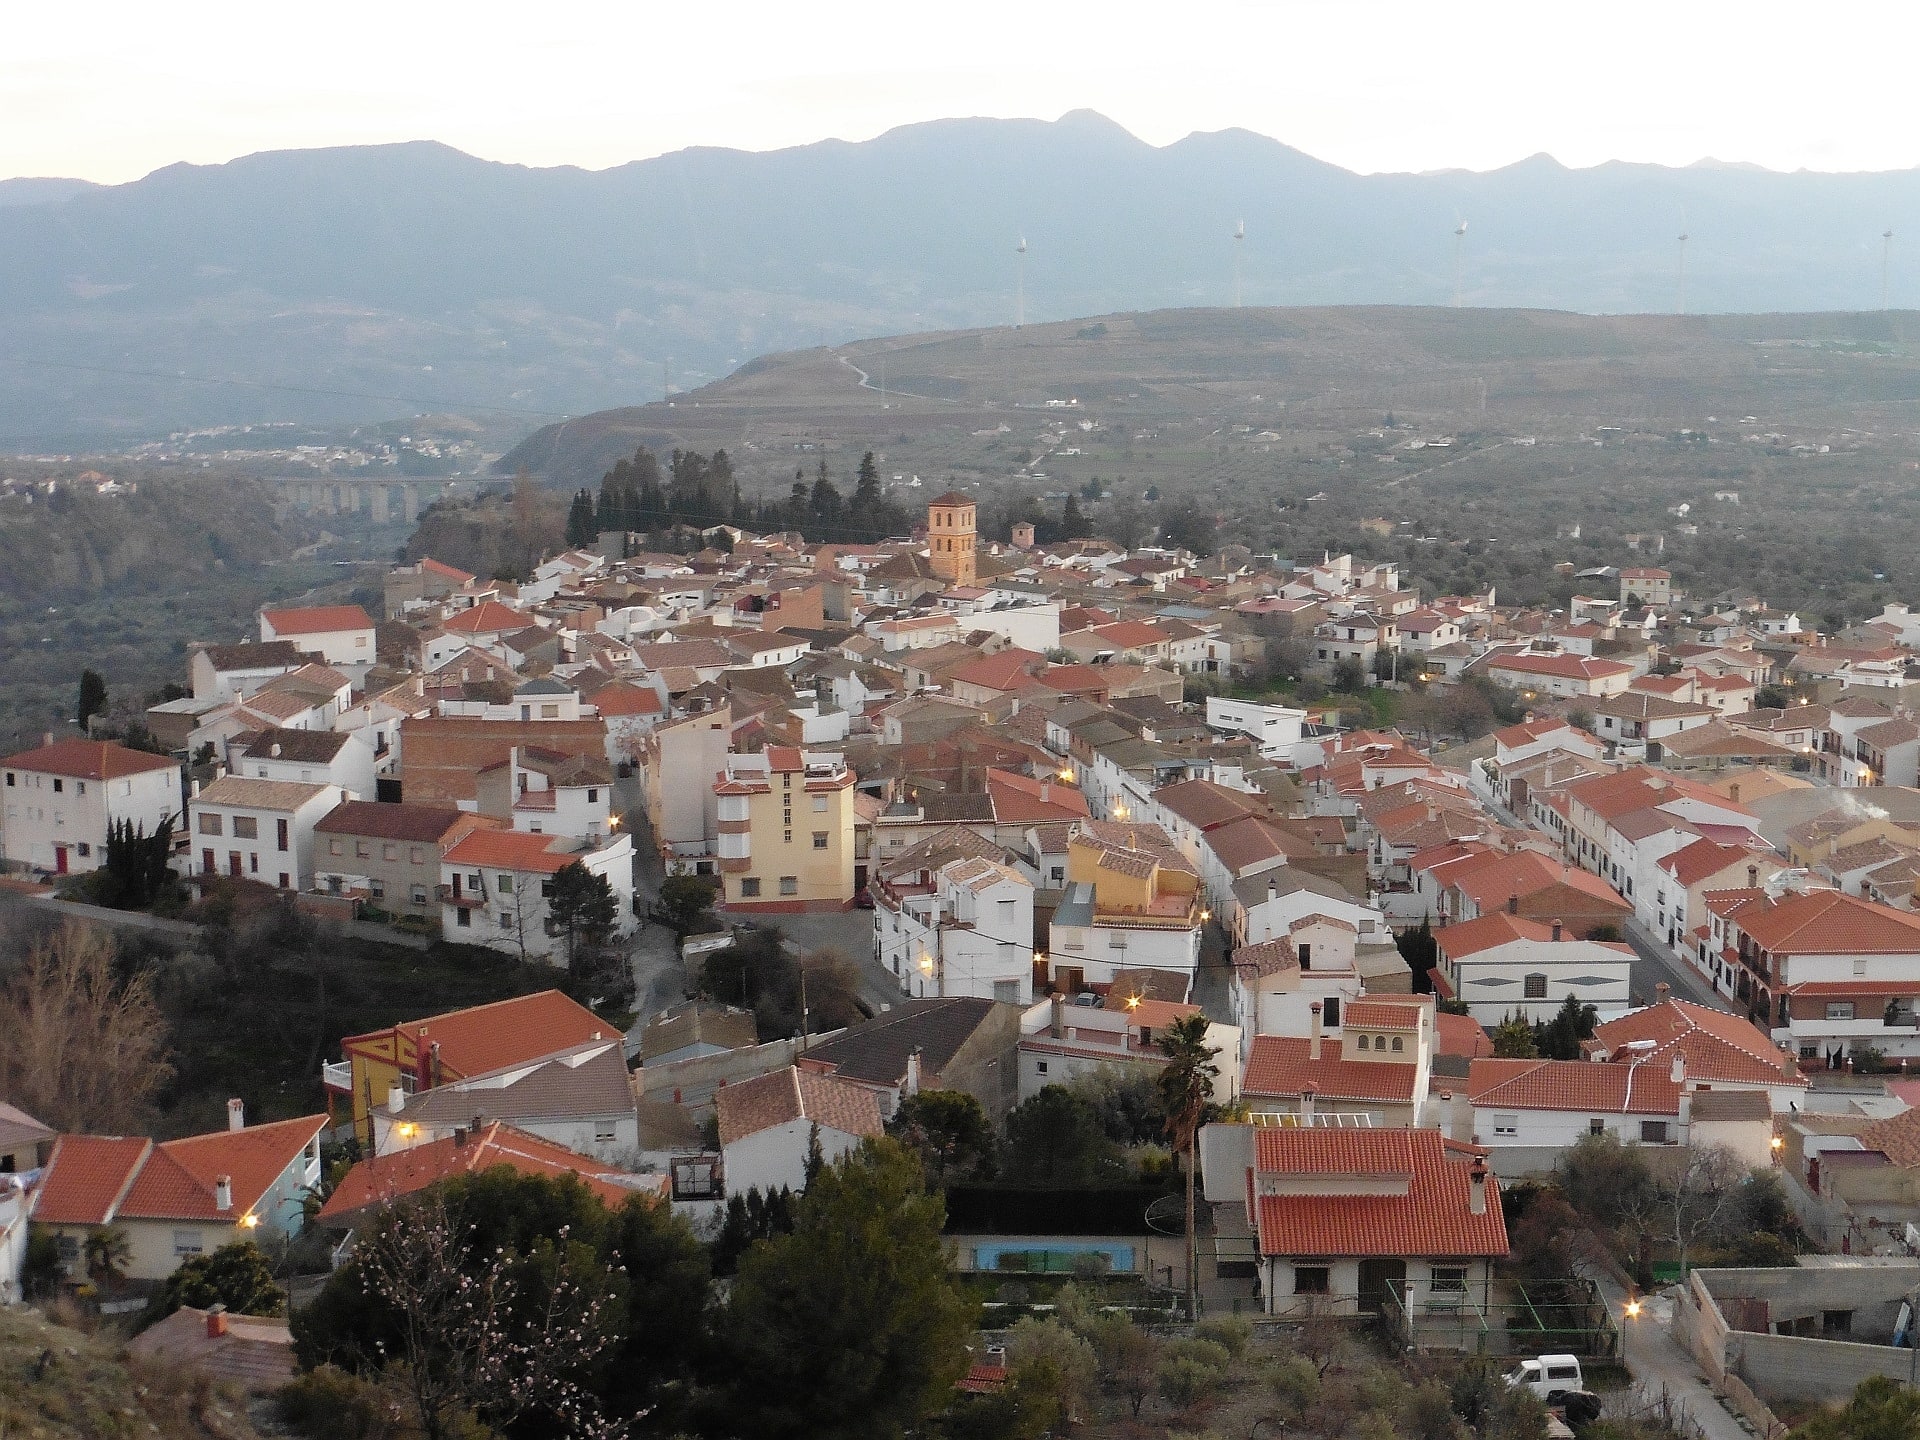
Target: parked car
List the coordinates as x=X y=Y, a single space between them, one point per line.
x=1548 y=1376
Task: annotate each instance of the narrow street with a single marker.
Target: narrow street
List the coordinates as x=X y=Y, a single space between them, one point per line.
x=1658 y=965
x=1656 y=1362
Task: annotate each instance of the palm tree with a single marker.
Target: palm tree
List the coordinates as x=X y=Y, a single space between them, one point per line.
x=107 y=1252
x=1186 y=1087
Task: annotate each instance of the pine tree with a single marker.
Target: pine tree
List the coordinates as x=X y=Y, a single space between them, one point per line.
x=1074 y=525
x=582 y=526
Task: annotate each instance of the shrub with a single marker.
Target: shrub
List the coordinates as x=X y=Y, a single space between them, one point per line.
x=1187 y=1377
x=1231 y=1332
x=1295 y=1382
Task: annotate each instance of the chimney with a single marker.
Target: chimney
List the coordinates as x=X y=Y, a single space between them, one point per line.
x=1679 y=1068
x=1662 y=993
x=459 y=1136
x=396 y=1098
x=236 y=1114
x=1057 y=1025
x=1753 y=874
x=1313 y=1032
x=1513 y=903
x=216 y=1320
x=912 y=1085
x=275 y=751
x=1556 y=932
x=997 y=1355
x=223 y=1193
x=1307 y=1093
x=1477 y=1186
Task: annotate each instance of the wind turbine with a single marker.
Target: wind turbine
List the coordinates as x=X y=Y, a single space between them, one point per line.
x=1239 y=239
x=1020 y=283
x=1886 y=253
x=1459 y=241
x=1681 y=307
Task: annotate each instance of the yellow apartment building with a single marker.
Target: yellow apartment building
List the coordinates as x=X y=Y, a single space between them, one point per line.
x=786 y=830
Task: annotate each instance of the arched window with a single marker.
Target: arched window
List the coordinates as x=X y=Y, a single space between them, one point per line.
x=1397 y=1046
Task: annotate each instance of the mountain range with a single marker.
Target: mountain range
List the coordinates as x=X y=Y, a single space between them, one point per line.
x=353 y=283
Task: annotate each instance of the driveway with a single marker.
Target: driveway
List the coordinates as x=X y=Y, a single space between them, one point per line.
x=1656 y=1362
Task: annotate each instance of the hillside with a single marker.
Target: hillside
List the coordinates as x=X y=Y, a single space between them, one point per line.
x=58 y=1384
x=334 y=284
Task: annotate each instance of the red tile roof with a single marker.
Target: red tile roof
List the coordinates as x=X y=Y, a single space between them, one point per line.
x=1644 y=1088
x=796 y=1094
x=1470 y=937
x=513 y=850
x=1719 y=1048
x=1380 y=1014
x=87 y=1177
x=404 y=1172
x=1433 y=1216
x=88 y=760
x=1281 y=1065
x=1826 y=922
x=489 y=617
x=1021 y=800
x=1702 y=860
x=504 y=1032
x=253 y=1158
x=1460 y=1035
x=317 y=619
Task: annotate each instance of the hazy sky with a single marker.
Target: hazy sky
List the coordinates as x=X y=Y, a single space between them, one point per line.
x=112 y=90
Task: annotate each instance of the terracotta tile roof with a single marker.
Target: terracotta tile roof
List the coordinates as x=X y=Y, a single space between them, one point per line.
x=317 y=619
x=404 y=1172
x=1020 y=800
x=1382 y=1014
x=1204 y=804
x=1470 y=937
x=875 y=1052
x=1434 y=1216
x=1719 y=1048
x=504 y=1032
x=514 y=850
x=489 y=617
x=427 y=824
x=1643 y=1088
x=1281 y=1066
x=1460 y=1035
x=260 y=655
x=1702 y=860
x=796 y=1094
x=1490 y=880
x=313 y=747
x=1826 y=922
x=87 y=1178
x=255 y=1353
x=88 y=760
x=253 y=1158
x=1898 y=1138
x=1269 y=957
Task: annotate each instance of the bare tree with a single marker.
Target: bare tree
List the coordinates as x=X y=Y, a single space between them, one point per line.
x=466 y=1343
x=1690 y=1199
x=82 y=1049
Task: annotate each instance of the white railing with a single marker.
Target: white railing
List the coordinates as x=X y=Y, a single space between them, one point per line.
x=337 y=1075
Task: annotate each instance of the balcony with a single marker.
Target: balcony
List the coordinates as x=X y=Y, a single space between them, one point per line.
x=337 y=1076
x=467 y=899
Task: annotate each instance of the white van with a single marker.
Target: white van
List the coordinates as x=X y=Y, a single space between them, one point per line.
x=1548 y=1376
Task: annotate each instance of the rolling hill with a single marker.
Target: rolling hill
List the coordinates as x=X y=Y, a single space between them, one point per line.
x=345 y=284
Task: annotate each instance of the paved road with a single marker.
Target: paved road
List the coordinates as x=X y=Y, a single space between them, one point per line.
x=1656 y=1361
x=1657 y=964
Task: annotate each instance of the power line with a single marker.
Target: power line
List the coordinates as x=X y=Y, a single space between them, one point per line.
x=185 y=379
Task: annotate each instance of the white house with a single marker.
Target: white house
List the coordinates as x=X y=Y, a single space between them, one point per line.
x=1277 y=728
x=768 y=1124
x=311 y=757
x=1503 y=964
x=260 y=829
x=1349 y=1221
x=1061 y=1042
x=965 y=928
x=495 y=886
x=61 y=798
x=338 y=634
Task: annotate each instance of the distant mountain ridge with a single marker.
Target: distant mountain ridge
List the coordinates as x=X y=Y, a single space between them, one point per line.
x=372 y=281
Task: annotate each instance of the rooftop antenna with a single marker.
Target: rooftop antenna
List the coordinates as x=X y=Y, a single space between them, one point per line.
x=1680 y=307
x=1239 y=239
x=1020 y=284
x=1886 y=253
x=1459 y=241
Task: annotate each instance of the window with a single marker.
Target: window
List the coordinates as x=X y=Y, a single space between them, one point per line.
x=463 y=918
x=85 y=849
x=286 y=881
x=253 y=862
x=1653 y=1132
x=506 y=883
x=789 y=884
x=378 y=889
x=1506 y=1124
x=505 y=919
x=210 y=824
x=1305 y=952
x=389 y=852
x=246 y=827
x=786 y=837
x=1536 y=987
x=819 y=804
x=749 y=887
x=1040 y=1067
x=282 y=837
x=187 y=1242
x=58 y=785
x=419 y=894
x=417 y=855
x=1331 y=1012
x=80 y=786
x=333 y=847
x=1840 y=1010
x=1312 y=1279
x=819 y=839
x=1449 y=1278
x=1398 y=1045
x=593 y=796
x=1596 y=1126
x=360 y=849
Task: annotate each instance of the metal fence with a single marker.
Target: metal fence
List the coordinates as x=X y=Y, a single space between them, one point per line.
x=1513 y=1318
